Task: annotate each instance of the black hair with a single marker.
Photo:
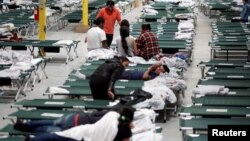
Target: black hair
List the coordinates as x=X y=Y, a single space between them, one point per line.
x=125 y=22
x=166 y=68
x=124 y=33
x=99 y=21
x=122 y=58
x=146 y=26
x=126 y=114
x=110 y=3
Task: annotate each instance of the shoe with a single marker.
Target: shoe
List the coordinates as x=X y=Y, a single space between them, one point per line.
x=22 y=127
x=27 y=138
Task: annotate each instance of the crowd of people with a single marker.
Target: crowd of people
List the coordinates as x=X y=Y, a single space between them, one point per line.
x=145 y=46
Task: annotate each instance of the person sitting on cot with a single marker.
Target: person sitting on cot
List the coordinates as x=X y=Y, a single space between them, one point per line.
x=113 y=126
x=152 y=72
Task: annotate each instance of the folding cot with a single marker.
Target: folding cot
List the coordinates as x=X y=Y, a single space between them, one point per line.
x=14 y=138
x=222 y=101
x=38 y=114
x=238 y=75
x=215 y=7
x=93 y=65
x=214 y=111
x=174 y=46
x=232 y=92
x=86 y=91
x=64 y=104
x=197 y=137
x=20 y=83
x=230 y=38
x=228 y=70
x=9 y=130
x=221 y=63
x=152 y=18
x=201 y=124
x=233 y=83
x=47 y=45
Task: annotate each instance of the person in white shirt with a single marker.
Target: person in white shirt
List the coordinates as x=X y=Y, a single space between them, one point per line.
x=96 y=37
x=125 y=43
x=113 y=126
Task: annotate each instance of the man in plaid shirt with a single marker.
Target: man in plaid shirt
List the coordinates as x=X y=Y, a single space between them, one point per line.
x=147 y=43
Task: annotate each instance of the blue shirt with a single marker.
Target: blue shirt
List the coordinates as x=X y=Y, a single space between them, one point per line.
x=136 y=75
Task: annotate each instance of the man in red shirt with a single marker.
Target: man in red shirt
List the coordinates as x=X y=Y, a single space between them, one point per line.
x=110 y=15
x=147 y=43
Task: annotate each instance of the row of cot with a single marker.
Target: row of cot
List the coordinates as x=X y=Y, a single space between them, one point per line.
x=165 y=11
x=22 y=81
x=17 y=74
x=166 y=34
x=55 y=108
x=48 y=46
x=93 y=7
x=229 y=41
x=217 y=108
x=172 y=36
x=224 y=10
x=23 y=19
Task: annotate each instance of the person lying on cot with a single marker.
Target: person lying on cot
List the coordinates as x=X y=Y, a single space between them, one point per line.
x=113 y=126
x=11 y=36
x=148 y=74
x=102 y=81
x=63 y=123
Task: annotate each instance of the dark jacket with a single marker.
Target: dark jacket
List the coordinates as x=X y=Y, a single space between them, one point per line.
x=111 y=70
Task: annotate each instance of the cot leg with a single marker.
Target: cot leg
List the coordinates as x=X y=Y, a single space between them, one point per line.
x=43 y=70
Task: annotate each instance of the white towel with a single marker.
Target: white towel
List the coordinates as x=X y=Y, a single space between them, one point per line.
x=54 y=90
x=63 y=42
x=80 y=75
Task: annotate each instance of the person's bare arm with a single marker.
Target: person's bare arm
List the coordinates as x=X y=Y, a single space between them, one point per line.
x=146 y=75
x=127 y=139
x=104 y=44
x=135 y=50
x=86 y=40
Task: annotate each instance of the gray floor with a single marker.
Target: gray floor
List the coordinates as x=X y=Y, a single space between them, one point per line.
x=58 y=72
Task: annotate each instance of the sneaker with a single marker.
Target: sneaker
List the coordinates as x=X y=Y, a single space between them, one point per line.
x=22 y=127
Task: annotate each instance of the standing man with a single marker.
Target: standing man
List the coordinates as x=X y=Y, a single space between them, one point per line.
x=96 y=37
x=147 y=43
x=245 y=10
x=110 y=15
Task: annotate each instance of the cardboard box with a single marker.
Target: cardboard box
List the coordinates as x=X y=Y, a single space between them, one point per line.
x=81 y=29
x=137 y=3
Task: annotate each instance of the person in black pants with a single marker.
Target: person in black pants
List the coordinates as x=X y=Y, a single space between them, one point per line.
x=102 y=80
x=121 y=126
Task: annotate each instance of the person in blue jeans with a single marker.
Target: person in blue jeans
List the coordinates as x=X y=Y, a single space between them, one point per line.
x=245 y=10
x=113 y=126
x=63 y=123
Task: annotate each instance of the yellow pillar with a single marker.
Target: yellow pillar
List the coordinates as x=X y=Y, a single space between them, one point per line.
x=42 y=23
x=84 y=26
x=85 y=14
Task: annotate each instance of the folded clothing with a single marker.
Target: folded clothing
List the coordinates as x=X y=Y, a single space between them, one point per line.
x=54 y=90
x=210 y=90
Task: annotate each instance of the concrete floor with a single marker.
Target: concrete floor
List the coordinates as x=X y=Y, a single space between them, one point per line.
x=58 y=72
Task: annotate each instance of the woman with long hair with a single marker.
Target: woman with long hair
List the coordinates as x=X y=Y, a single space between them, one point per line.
x=125 y=44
